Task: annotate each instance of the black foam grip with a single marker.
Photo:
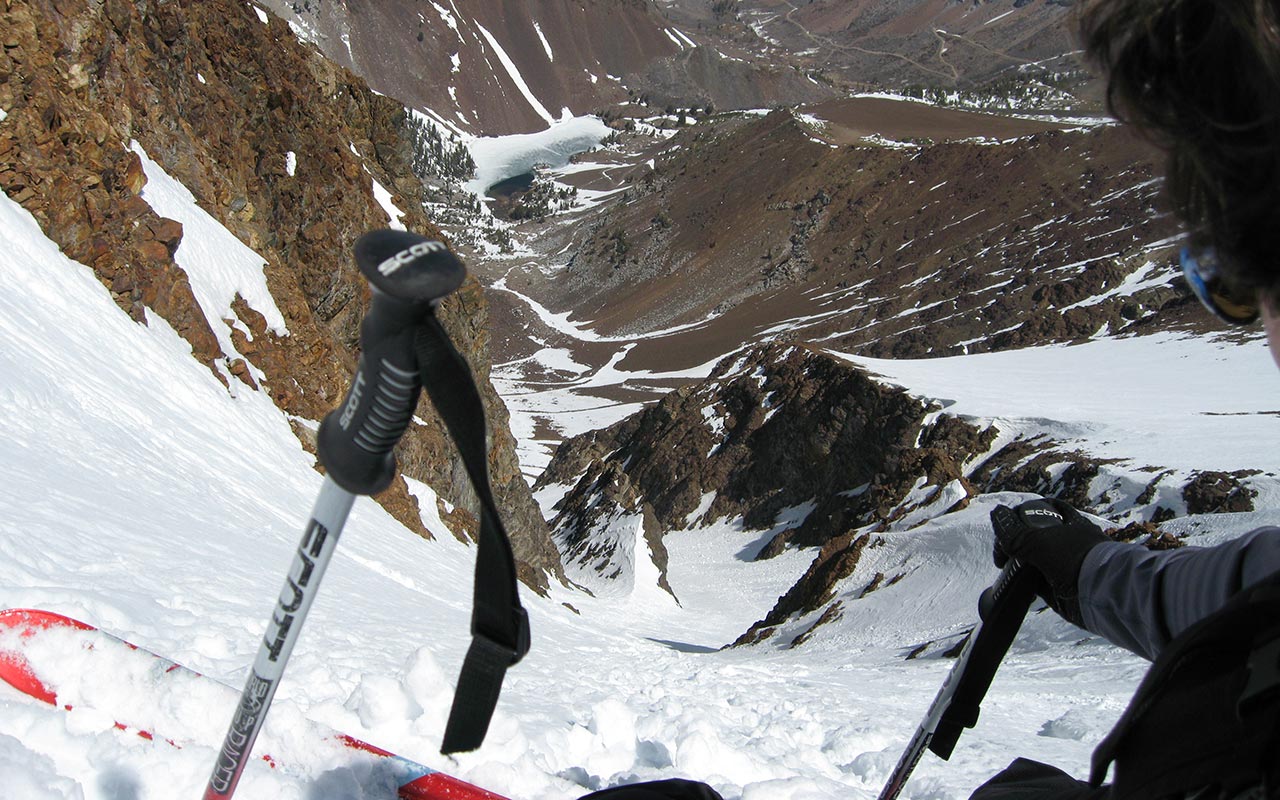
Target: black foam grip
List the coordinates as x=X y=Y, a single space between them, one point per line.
x=357 y=438
x=408 y=274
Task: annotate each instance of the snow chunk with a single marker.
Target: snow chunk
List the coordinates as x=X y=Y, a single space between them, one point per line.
x=687 y=40
x=695 y=516
x=383 y=197
x=1074 y=725
x=29 y=774
x=291 y=163
x=446 y=15
x=428 y=508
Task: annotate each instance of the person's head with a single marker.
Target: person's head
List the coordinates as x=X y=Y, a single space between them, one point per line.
x=1202 y=79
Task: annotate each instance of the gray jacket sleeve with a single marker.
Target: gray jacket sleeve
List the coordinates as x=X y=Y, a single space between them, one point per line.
x=1139 y=599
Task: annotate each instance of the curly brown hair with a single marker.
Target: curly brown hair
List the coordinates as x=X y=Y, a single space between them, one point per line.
x=1202 y=79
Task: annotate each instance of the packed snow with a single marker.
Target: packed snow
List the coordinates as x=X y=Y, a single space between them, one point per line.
x=144 y=496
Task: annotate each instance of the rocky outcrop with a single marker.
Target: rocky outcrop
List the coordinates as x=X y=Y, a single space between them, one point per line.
x=1219 y=492
x=784 y=438
x=815 y=453
x=606 y=528
x=219 y=97
x=765 y=433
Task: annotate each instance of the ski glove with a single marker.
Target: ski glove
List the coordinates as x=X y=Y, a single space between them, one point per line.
x=1052 y=538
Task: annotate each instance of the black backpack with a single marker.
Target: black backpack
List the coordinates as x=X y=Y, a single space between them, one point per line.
x=1205 y=722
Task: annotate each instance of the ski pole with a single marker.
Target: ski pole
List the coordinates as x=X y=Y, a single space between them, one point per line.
x=408 y=274
x=1001 y=610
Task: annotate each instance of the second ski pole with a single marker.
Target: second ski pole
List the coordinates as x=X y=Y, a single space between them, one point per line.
x=1001 y=610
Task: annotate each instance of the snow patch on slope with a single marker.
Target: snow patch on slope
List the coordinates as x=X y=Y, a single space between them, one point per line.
x=545 y=44
x=514 y=72
x=1164 y=400
x=218 y=266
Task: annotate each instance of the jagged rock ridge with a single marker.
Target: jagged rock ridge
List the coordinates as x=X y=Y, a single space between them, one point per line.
x=795 y=441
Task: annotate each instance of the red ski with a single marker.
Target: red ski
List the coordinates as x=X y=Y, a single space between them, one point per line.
x=29 y=668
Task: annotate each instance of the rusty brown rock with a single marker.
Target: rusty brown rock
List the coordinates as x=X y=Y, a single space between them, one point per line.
x=216 y=98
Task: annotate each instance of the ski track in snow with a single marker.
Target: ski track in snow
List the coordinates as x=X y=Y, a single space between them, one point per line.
x=143 y=496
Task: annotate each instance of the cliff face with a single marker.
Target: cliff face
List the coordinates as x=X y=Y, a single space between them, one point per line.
x=278 y=144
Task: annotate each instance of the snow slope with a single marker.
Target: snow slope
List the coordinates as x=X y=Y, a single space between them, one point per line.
x=145 y=497
x=1166 y=400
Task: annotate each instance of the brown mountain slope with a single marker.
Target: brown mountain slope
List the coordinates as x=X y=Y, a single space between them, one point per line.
x=938 y=43
x=465 y=61
x=925 y=247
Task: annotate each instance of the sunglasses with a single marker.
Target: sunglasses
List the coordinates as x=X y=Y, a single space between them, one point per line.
x=1228 y=303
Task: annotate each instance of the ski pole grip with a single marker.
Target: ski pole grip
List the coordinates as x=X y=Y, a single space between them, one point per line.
x=408 y=274
x=996 y=593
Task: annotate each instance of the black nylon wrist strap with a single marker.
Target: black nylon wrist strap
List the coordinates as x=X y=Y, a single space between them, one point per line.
x=499 y=624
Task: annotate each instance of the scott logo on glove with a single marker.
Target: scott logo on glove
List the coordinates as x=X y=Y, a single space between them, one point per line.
x=1041 y=512
x=405 y=256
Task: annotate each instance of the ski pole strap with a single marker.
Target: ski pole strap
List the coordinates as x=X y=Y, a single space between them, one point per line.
x=499 y=624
